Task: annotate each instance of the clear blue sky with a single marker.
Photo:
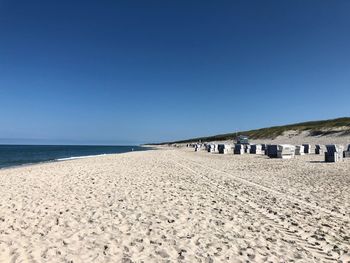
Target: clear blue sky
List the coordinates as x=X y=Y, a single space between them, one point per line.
x=126 y=72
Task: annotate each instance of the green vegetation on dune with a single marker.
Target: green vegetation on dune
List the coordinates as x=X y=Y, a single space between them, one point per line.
x=316 y=128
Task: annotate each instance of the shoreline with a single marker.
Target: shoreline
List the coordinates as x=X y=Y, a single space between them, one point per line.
x=69 y=158
x=54 y=161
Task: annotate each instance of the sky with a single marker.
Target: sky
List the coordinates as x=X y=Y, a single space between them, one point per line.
x=130 y=72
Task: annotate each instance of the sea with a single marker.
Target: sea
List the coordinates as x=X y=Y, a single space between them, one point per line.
x=15 y=155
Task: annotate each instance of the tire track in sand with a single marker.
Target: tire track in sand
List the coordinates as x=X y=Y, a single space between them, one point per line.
x=316 y=250
x=272 y=191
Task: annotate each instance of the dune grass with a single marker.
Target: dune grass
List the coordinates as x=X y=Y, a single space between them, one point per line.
x=316 y=128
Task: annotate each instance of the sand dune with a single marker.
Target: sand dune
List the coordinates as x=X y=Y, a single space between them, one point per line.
x=175 y=205
x=295 y=138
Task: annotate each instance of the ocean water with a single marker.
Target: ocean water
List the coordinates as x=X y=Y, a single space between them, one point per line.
x=13 y=155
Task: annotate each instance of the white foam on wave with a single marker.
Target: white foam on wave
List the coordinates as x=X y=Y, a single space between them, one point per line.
x=79 y=157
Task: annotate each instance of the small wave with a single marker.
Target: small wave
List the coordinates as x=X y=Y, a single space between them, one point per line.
x=79 y=157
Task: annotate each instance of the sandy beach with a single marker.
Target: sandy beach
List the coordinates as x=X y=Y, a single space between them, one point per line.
x=176 y=205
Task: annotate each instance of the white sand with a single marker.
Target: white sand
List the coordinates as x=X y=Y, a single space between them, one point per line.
x=304 y=137
x=176 y=205
x=296 y=138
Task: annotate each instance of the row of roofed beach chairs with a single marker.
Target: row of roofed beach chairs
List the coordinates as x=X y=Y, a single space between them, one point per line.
x=332 y=152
